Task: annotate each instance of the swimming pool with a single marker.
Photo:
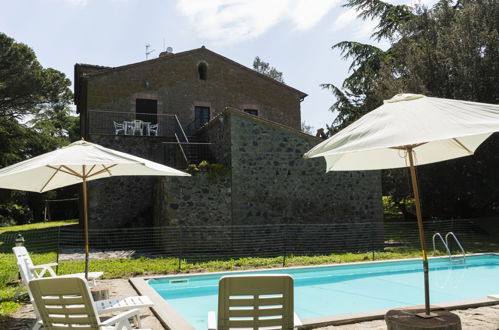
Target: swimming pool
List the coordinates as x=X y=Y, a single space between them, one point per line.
x=338 y=289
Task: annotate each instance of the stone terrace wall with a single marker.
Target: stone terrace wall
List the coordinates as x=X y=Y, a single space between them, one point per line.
x=272 y=183
x=199 y=200
x=217 y=132
x=124 y=201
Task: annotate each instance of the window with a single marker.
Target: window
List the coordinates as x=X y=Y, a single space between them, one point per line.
x=202 y=71
x=253 y=112
x=146 y=110
x=201 y=116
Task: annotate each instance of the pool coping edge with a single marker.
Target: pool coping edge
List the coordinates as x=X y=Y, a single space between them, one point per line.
x=172 y=320
x=342 y=319
x=167 y=316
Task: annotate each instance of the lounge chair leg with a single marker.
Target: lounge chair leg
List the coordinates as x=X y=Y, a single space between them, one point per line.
x=136 y=320
x=19 y=292
x=37 y=325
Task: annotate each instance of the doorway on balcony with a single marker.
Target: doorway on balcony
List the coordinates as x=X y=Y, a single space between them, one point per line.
x=146 y=110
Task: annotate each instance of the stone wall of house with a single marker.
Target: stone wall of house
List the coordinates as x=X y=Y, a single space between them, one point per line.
x=270 y=183
x=124 y=201
x=217 y=132
x=199 y=200
x=174 y=82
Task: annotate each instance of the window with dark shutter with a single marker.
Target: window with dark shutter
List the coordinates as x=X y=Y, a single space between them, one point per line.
x=201 y=116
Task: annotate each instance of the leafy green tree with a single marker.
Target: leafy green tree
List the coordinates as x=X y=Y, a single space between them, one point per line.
x=265 y=68
x=450 y=51
x=35 y=117
x=25 y=86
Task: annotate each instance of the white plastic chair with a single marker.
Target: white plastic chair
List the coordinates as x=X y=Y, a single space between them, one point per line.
x=153 y=129
x=66 y=303
x=119 y=127
x=137 y=127
x=30 y=271
x=102 y=306
x=254 y=302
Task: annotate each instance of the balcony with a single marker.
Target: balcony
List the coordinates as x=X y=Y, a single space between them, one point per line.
x=174 y=149
x=132 y=123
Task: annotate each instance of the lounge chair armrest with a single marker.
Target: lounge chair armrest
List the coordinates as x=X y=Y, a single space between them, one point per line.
x=44 y=266
x=212 y=321
x=121 y=304
x=120 y=317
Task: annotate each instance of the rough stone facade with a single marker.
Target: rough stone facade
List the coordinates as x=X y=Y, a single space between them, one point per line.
x=269 y=182
x=173 y=81
x=125 y=201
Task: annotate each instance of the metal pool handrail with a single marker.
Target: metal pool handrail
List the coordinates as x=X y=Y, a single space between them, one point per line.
x=456 y=240
x=443 y=242
x=446 y=244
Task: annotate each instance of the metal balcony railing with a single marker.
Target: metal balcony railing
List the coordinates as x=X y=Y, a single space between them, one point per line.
x=133 y=123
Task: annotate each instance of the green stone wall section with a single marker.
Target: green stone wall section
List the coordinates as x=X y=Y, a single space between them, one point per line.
x=273 y=183
x=268 y=183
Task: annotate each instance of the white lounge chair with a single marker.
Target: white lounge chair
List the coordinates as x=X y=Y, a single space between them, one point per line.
x=32 y=271
x=66 y=303
x=254 y=302
x=102 y=306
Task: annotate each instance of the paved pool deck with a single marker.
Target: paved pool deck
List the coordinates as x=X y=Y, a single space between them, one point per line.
x=486 y=317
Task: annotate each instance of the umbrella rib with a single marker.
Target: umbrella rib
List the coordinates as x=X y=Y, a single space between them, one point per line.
x=462 y=146
x=409 y=146
x=66 y=170
x=105 y=169
x=71 y=171
x=51 y=177
x=89 y=171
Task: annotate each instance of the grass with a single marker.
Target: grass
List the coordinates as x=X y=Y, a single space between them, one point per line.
x=8 y=271
x=143 y=266
x=35 y=226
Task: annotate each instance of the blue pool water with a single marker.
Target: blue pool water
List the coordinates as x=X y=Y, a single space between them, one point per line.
x=330 y=290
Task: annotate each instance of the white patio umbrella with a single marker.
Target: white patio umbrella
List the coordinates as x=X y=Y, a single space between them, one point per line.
x=410 y=130
x=78 y=162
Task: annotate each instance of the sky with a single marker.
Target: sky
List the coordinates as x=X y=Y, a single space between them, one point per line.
x=294 y=36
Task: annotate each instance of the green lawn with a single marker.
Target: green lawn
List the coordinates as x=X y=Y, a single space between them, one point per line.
x=125 y=268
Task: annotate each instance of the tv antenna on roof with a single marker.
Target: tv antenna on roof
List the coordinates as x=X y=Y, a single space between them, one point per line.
x=148 y=52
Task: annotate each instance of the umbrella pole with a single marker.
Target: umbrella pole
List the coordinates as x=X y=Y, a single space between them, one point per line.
x=85 y=222
x=421 y=235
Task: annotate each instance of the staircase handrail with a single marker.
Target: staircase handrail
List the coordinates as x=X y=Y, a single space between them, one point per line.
x=181 y=149
x=181 y=129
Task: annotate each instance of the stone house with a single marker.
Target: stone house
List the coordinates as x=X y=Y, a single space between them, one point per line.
x=198 y=105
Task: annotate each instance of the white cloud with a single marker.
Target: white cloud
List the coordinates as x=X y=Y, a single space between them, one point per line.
x=365 y=29
x=344 y=19
x=231 y=21
x=360 y=29
x=305 y=16
x=75 y=2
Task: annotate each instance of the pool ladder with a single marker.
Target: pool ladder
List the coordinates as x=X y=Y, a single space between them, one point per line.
x=446 y=245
